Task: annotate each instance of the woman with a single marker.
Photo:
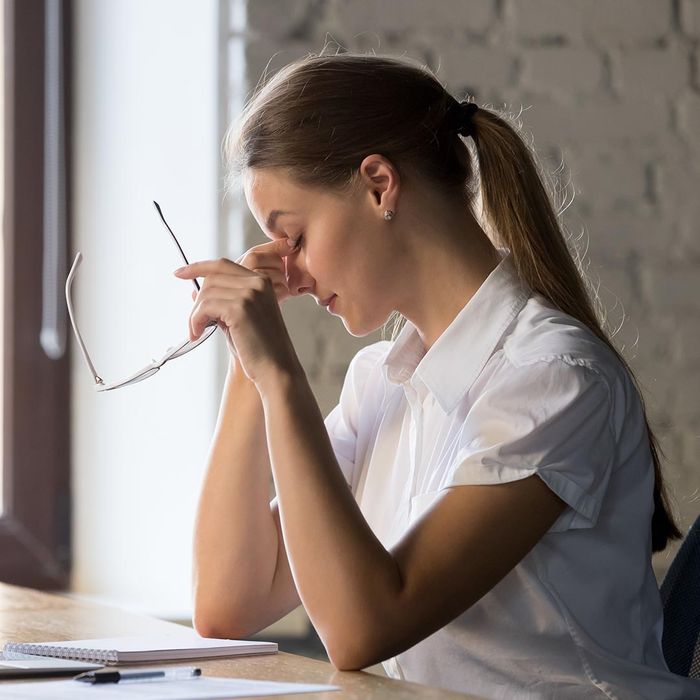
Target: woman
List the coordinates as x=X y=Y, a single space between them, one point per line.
x=479 y=510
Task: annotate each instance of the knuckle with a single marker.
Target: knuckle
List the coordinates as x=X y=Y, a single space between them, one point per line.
x=262 y=282
x=212 y=281
x=207 y=305
x=231 y=318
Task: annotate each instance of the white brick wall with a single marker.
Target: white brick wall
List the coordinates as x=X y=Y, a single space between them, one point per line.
x=616 y=94
x=690 y=17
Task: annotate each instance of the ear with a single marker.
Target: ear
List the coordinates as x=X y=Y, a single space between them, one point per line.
x=381 y=178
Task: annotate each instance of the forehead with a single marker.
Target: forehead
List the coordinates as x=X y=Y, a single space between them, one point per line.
x=267 y=189
x=269 y=194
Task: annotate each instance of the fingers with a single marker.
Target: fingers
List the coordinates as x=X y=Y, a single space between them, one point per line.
x=276 y=273
x=270 y=254
x=281 y=246
x=235 y=281
x=212 y=309
x=224 y=281
x=204 y=268
x=218 y=281
x=217 y=304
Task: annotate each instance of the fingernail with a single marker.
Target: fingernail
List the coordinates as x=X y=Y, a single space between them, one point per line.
x=290 y=243
x=179 y=270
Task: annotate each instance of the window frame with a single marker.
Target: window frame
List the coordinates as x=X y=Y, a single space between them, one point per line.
x=35 y=538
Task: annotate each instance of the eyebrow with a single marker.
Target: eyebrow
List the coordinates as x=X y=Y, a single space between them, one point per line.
x=273 y=217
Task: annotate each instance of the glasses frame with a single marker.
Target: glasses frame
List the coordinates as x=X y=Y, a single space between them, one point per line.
x=151 y=369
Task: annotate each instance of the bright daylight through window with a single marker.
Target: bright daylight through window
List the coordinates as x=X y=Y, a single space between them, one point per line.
x=2 y=257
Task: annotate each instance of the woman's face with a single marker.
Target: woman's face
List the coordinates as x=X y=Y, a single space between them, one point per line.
x=343 y=245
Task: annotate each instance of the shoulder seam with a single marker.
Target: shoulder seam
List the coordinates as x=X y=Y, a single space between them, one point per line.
x=567 y=358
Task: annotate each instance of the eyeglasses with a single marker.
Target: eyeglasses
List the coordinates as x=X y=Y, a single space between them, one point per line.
x=170 y=354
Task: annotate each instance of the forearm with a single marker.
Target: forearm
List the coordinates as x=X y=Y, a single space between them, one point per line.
x=342 y=571
x=235 y=539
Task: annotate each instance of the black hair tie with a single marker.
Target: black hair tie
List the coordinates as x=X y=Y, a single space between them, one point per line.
x=462 y=114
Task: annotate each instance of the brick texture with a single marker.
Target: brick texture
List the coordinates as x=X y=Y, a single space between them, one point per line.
x=614 y=92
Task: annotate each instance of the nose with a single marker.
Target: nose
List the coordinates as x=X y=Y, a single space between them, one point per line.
x=298 y=279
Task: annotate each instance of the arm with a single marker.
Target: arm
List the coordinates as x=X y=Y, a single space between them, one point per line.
x=368 y=603
x=241 y=583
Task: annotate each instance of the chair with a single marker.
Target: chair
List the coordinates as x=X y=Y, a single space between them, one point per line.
x=680 y=594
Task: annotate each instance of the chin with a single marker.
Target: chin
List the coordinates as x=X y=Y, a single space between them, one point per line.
x=365 y=328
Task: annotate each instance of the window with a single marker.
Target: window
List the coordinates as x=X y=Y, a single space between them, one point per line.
x=35 y=518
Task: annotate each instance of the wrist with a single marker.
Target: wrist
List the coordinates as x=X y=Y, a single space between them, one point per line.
x=281 y=380
x=238 y=377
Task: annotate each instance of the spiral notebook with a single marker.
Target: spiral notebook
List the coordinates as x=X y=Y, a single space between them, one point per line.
x=133 y=649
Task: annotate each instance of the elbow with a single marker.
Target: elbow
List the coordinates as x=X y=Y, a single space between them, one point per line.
x=209 y=626
x=216 y=624
x=205 y=628
x=350 y=651
x=343 y=664
x=347 y=659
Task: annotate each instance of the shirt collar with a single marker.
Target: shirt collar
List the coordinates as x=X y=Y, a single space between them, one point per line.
x=454 y=361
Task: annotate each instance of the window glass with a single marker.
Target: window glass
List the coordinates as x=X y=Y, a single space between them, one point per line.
x=2 y=256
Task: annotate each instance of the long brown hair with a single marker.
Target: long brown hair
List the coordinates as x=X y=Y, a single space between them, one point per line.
x=319 y=116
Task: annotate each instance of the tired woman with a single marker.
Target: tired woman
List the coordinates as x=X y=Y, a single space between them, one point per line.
x=480 y=509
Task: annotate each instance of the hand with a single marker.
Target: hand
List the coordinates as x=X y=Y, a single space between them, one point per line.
x=245 y=305
x=268 y=259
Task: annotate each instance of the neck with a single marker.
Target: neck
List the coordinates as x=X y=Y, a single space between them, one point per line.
x=445 y=269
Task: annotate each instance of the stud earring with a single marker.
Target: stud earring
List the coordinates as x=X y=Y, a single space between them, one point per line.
x=388 y=215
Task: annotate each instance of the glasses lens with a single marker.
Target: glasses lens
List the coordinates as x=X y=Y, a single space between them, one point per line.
x=184 y=348
x=134 y=379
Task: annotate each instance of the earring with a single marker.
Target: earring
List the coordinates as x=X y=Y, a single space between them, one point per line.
x=388 y=215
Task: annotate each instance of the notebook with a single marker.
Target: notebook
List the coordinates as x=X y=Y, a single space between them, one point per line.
x=164 y=647
x=41 y=666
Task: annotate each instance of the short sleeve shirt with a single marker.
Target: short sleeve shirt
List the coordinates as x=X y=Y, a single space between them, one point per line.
x=515 y=387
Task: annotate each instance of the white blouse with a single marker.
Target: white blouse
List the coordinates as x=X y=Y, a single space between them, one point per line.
x=515 y=387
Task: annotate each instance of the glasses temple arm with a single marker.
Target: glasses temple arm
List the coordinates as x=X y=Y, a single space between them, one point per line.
x=69 y=303
x=179 y=247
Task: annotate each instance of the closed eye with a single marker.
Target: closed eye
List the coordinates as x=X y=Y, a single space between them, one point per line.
x=297 y=243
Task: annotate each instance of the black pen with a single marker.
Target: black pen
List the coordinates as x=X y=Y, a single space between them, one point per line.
x=181 y=673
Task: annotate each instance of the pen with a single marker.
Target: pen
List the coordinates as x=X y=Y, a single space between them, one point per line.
x=165 y=674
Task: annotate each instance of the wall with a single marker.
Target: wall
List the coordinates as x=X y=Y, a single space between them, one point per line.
x=147 y=127
x=614 y=93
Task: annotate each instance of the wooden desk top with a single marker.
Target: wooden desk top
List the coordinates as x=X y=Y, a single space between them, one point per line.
x=28 y=615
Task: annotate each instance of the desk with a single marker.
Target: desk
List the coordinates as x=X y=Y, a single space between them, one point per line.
x=28 y=615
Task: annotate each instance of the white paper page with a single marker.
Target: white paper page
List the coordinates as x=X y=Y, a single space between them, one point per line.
x=202 y=688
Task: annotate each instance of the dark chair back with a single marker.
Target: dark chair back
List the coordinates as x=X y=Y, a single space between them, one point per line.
x=680 y=594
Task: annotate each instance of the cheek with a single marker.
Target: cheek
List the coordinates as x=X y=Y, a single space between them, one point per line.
x=326 y=263
x=372 y=273
x=347 y=264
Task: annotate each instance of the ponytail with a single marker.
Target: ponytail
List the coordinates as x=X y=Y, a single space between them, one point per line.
x=320 y=115
x=519 y=209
